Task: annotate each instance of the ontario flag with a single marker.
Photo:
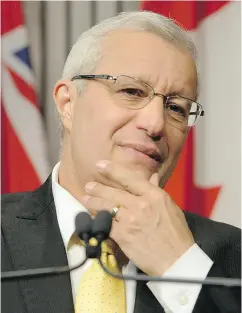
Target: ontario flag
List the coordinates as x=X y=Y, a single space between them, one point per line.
x=24 y=163
x=207 y=178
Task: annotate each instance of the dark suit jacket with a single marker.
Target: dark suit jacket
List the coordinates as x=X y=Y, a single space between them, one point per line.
x=31 y=238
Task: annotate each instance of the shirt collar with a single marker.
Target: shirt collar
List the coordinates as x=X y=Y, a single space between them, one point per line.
x=67 y=207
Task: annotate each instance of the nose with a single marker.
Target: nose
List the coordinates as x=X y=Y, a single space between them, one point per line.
x=151 y=118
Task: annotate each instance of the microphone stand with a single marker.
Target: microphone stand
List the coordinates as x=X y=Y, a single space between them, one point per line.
x=91 y=252
x=214 y=281
x=46 y=271
x=211 y=282
x=101 y=227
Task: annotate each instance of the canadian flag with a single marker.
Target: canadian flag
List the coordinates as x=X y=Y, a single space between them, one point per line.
x=207 y=178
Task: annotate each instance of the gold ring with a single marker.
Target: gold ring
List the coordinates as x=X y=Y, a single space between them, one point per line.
x=114 y=211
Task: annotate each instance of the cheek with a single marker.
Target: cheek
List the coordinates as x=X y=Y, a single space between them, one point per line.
x=89 y=129
x=175 y=139
x=96 y=119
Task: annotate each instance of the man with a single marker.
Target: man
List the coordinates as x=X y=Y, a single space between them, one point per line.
x=126 y=101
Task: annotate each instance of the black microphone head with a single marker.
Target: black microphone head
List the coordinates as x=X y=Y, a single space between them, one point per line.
x=83 y=223
x=102 y=224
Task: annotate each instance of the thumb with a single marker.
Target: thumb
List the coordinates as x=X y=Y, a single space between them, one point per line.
x=154 y=179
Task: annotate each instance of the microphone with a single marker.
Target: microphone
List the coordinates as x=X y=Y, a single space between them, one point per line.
x=100 y=228
x=83 y=228
x=223 y=306
x=102 y=225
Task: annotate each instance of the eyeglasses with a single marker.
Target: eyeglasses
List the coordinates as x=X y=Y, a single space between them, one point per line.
x=135 y=94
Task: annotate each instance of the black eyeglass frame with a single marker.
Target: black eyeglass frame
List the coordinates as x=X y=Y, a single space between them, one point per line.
x=166 y=98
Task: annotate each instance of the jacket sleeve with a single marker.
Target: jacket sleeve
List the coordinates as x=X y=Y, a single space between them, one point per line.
x=216 y=299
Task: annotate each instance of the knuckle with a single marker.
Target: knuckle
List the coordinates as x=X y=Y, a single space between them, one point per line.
x=132 y=219
x=144 y=205
x=161 y=196
x=105 y=204
x=126 y=185
x=139 y=173
x=121 y=193
x=166 y=198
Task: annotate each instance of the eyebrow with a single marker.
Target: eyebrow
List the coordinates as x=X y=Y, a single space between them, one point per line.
x=147 y=79
x=169 y=94
x=173 y=94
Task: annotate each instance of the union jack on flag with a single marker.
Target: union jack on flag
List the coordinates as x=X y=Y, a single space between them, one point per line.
x=24 y=158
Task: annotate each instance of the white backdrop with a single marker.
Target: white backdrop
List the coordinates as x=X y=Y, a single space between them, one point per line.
x=218 y=137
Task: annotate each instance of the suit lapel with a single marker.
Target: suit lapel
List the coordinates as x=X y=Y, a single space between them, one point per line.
x=35 y=242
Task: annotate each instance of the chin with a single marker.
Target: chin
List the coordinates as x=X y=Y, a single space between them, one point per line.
x=143 y=171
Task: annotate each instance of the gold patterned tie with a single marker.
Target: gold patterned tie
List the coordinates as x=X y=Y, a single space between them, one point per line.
x=99 y=292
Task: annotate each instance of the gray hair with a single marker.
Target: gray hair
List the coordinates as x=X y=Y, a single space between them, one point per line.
x=86 y=52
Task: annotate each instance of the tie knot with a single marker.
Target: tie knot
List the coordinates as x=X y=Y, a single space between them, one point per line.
x=107 y=254
x=106 y=246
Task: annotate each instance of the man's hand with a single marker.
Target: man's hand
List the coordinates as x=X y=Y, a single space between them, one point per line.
x=149 y=228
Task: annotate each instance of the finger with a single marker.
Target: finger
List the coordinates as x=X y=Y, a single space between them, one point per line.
x=115 y=195
x=154 y=180
x=117 y=230
x=95 y=205
x=129 y=180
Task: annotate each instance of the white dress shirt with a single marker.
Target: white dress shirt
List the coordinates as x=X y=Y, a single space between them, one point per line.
x=175 y=298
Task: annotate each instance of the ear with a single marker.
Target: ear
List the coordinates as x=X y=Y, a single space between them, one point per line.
x=65 y=94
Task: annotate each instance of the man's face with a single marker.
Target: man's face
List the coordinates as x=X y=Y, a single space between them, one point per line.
x=102 y=129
